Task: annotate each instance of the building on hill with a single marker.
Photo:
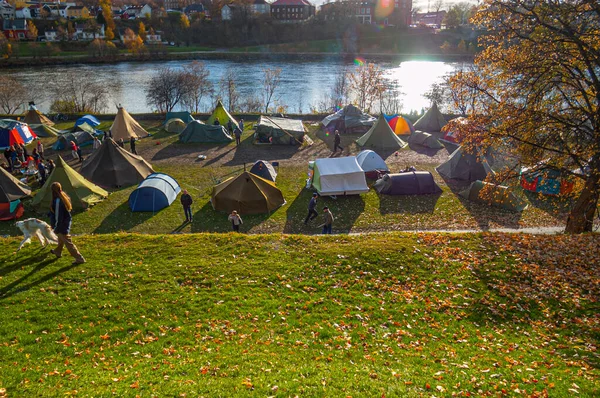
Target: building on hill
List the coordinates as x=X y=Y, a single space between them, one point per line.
x=177 y=4
x=292 y=10
x=23 y=13
x=260 y=7
x=141 y=11
x=194 y=9
x=429 y=19
x=366 y=12
x=78 y=12
x=15 y=29
x=87 y=32
x=7 y=11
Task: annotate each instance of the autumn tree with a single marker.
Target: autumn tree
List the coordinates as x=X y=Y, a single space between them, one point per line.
x=367 y=85
x=271 y=80
x=107 y=19
x=142 y=31
x=5 y=46
x=133 y=42
x=538 y=87
x=32 y=32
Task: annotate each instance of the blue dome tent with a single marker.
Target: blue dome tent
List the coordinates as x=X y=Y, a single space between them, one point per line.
x=89 y=119
x=155 y=193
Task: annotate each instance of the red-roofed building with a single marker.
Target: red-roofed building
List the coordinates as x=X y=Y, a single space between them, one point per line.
x=292 y=10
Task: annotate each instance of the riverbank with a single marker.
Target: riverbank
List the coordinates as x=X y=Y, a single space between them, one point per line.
x=231 y=55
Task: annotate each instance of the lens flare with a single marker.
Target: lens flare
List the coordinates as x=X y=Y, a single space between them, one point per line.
x=359 y=61
x=384 y=8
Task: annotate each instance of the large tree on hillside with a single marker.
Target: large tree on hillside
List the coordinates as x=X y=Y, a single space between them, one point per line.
x=538 y=90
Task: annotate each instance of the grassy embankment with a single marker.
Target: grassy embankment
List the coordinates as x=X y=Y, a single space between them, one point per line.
x=367 y=212
x=271 y=315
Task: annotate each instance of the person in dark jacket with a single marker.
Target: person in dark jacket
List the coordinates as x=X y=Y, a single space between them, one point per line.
x=8 y=156
x=50 y=166
x=60 y=211
x=328 y=221
x=79 y=154
x=238 y=136
x=41 y=172
x=230 y=127
x=186 y=202
x=132 y=145
x=312 y=205
x=336 y=142
x=121 y=143
x=216 y=122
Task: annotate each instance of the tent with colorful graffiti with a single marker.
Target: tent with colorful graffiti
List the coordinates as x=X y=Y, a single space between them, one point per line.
x=13 y=132
x=546 y=180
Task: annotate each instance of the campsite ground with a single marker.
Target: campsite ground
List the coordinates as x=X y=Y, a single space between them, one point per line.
x=400 y=315
x=365 y=213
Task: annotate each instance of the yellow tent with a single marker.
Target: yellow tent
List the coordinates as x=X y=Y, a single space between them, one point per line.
x=126 y=127
x=33 y=116
x=221 y=113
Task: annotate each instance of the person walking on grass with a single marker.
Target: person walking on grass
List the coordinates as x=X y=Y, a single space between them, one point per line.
x=60 y=211
x=230 y=126
x=79 y=154
x=132 y=145
x=328 y=218
x=241 y=124
x=235 y=220
x=186 y=202
x=238 y=136
x=336 y=142
x=312 y=209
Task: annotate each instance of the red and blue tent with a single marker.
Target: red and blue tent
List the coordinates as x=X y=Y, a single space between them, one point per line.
x=13 y=132
x=399 y=124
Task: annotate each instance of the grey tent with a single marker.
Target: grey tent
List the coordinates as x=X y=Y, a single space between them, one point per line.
x=424 y=139
x=197 y=132
x=81 y=138
x=464 y=166
x=349 y=119
x=264 y=169
x=113 y=166
x=410 y=183
x=278 y=130
x=493 y=195
x=11 y=188
x=381 y=136
x=185 y=116
x=432 y=121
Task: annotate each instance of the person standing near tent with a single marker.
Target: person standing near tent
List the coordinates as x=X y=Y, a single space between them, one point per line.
x=241 y=124
x=235 y=220
x=74 y=150
x=79 y=154
x=50 y=166
x=41 y=173
x=19 y=152
x=312 y=206
x=105 y=135
x=61 y=223
x=35 y=155
x=328 y=221
x=238 y=136
x=336 y=142
x=96 y=143
x=216 y=122
x=230 y=127
x=186 y=202
x=40 y=148
x=121 y=143
x=132 y=145
x=8 y=156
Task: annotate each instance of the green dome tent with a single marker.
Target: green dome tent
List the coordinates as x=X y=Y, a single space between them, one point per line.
x=82 y=192
x=186 y=117
x=221 y=113
x=432 y=121
x=424 y=139
x=493 y=195
x=197 y=132
x=175 y=126
x=381 y=136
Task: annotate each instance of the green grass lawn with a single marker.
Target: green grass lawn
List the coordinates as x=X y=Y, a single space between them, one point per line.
x=394 y=315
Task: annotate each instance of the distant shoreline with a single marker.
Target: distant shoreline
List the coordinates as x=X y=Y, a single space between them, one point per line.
x=235 y=55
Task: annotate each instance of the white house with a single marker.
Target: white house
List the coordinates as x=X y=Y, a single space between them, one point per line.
x=82 y=32
x=23 y=12
x=227 y=11
x=51 y=35
x=138 y=11
x=156 y=38
x=7 y=11
x=260 y=7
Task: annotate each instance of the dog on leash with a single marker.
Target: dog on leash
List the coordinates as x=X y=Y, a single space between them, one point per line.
x=33 y=227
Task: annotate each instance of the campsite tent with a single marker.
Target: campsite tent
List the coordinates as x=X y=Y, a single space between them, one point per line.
x=186 y=117
x=13 y=132
x=349 y=119
x=264 y=169
x=450 y=137
x=424 y=139
x=81 y=138
x=371 y=163
x=248 y=194
x=409 y=183
x=278 y=130
x=33 y=116
x=221 y=113
x=493 y=195
x=88 y=119
x=113 y=166
x=88 y=128
x=175 y=126
x=155 y=193
x=126 y=127
x=43 y=130
x=399 y=124
x=381 y=136
x=11 y=191
x=339 y=176
x=82 y=192
x=432 y=121
x=463 y=166
x=198 y=132
x=546 y=181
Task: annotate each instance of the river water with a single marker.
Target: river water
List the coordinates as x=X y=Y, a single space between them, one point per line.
x=304 y=83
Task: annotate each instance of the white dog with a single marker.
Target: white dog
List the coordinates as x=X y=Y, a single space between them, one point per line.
x=34 y=227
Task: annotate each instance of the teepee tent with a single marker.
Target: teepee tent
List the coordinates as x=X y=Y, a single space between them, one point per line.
x=113 y=166
x=82 y=192
x=493 y=195
x=33 y=116
x=221 y=113
x=432 y=121
x=198 y=132
x=424 y=139
x=464 y=166
x=126 y=127
x=10 y=188
x=248 y=194
x=175 y=126
x=381 y=136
